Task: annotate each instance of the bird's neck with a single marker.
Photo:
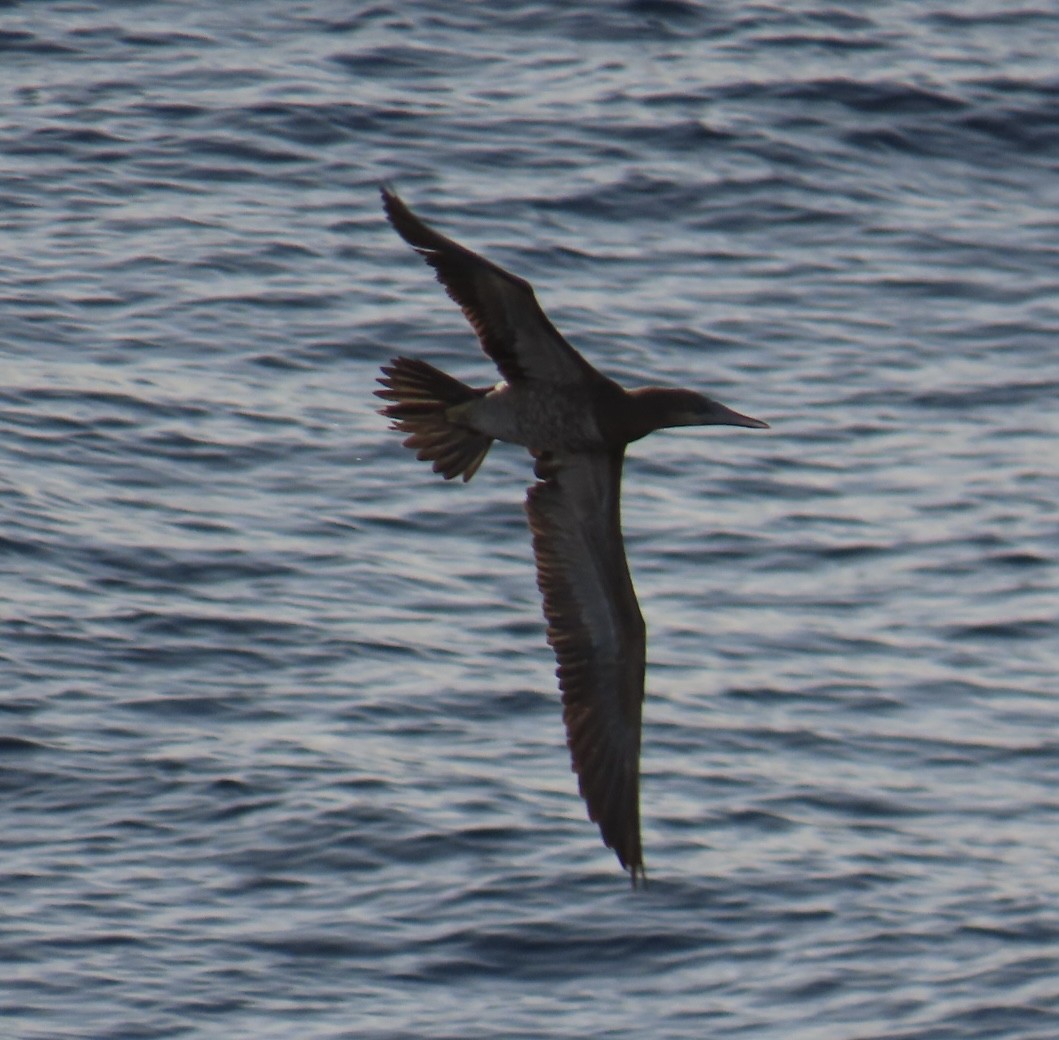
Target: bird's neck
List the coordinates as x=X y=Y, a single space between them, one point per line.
x=647 y=410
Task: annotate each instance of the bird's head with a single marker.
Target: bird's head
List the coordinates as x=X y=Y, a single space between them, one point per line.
x=658 y=408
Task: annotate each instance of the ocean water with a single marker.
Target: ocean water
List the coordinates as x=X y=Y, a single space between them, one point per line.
x=280 y=745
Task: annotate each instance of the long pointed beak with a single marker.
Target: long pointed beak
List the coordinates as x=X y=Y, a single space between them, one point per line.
x=721 y=415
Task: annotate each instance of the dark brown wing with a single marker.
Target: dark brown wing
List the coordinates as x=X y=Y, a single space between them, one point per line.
x=597 y=632
x=501 y=307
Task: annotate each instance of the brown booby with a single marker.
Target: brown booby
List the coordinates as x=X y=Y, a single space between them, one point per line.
x=576 y=423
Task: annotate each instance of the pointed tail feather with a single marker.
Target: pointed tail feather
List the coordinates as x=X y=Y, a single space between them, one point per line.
x=422 y=396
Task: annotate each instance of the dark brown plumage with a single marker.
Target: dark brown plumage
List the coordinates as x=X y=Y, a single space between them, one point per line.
x=576 y=423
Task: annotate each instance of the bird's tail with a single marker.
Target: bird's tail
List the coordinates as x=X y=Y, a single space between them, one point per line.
x=422 y=399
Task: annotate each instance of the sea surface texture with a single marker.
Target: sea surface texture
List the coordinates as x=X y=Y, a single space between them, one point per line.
x=281 y=750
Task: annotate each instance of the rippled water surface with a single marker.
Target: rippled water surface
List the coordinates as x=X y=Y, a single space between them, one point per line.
x=280 y=744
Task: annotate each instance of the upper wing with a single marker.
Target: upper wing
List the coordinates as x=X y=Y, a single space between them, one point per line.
x=597 y=632
x=501 y=307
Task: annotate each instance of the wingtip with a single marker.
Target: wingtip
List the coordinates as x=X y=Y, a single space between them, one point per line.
x=390 y=198
x=417 y=234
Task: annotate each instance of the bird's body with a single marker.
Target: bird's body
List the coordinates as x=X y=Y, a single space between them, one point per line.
x=576 y=423
x=541 y=417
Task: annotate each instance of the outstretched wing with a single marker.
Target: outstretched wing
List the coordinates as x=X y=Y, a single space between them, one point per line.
x=501 y=307
x=597 y=632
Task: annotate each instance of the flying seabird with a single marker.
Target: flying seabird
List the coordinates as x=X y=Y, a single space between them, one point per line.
x=576 y=424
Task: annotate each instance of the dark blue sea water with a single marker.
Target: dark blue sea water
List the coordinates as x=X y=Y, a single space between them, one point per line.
x=280 y=746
